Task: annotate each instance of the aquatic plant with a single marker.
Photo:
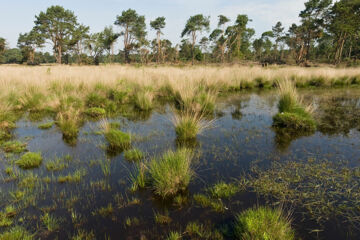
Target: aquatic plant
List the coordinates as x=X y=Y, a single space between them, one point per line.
x=6 y=217
x=71 y=178
x=138 y=176
x=133 y=155
x=16 y=233
x=311 y=184
x=83 y=235
x=14 y=147
x=29 y=160
x=263 y=223
x=188 y=124
x=95 y=100
x=292 y=114
x=45 y=126
x=117 y=139
x=104 y=211
x=68 y=122
x=57 y=164
x=51 y=223
x=134 y=221
x=144 y=99
x=207 y=201
x=207 y=100
x=162 y=218
x=95 y=112
x=174 y=236
x=223 y=190
x=171 y=173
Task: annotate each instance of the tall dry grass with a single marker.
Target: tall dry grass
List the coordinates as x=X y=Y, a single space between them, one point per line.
x=55 y=81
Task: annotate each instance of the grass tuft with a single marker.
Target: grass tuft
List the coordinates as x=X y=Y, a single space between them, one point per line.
x=144 y=100
x=45 y=126
x=95 y=112
x=16 y=233
x=171 y=173
x=223 y=190
x=174 y=236
x=263 y=223
x=29 y=160
x=14 y=147
x=117 y=139
x=133 y=155
x=293 y=114
x=189 y=124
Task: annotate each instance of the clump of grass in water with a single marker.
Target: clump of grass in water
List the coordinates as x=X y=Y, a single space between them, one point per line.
x=144 y=100
x=174 y=236
x=6 y=217
x=29 y=160
x=45 y=126
x=51 y=223
x=57 y=164
x=292 y=114
x=162 y=218
x=14 y=147
x=223 y=190
x=207 y=101
x=104 y=211
x=95 y=112
x=133 y=155
x=69 y=122
x=200 y=231
x=16 y=233
x=70 y=178
x=172 y=173
x=189 y=124
x=263 y=223
x=207 y=201
x=116 y=138
x=138 y=178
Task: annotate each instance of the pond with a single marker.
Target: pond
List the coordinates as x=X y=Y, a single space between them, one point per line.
x=83 y=189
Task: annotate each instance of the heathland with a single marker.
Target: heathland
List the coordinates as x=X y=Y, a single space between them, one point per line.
x=179 y=152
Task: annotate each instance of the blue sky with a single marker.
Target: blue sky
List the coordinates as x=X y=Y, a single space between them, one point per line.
x=18 y=15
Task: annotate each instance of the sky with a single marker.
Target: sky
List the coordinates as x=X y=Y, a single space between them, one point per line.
x=17 y=16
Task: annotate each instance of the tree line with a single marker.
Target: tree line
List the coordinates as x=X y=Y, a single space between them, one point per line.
x=328 y=32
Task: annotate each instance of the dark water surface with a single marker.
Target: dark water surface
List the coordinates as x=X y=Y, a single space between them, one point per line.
x=242 y=136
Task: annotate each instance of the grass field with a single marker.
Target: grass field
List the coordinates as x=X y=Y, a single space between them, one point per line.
x=51 y=82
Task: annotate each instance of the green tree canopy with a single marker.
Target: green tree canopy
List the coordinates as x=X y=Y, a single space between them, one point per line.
x=133 y=30
x=195 y=24
x=58 y=26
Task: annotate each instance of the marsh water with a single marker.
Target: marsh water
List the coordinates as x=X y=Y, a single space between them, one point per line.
x=240 y=138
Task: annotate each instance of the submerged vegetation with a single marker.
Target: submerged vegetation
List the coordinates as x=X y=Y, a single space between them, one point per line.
x=312 y=184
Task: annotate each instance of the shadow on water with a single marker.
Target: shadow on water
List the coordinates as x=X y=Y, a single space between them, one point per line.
x=96 y=196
